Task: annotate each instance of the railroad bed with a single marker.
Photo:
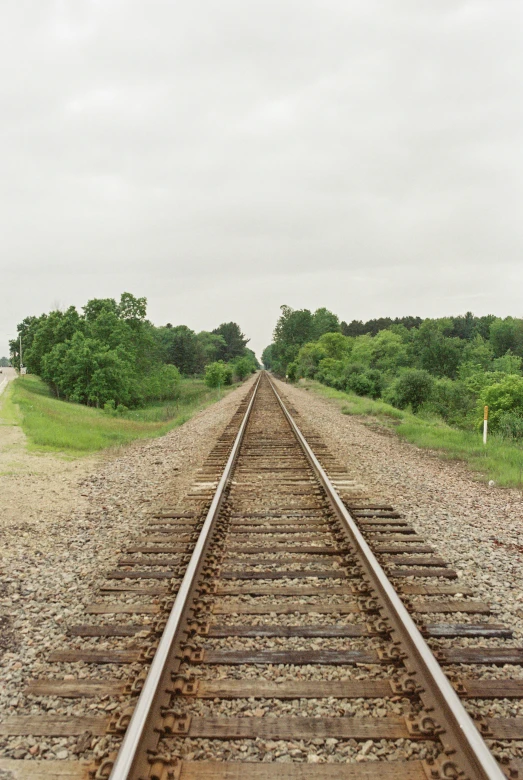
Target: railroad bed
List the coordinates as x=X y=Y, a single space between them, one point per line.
x=280 y=647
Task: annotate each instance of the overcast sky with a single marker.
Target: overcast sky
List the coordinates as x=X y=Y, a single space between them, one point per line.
x=224 y=157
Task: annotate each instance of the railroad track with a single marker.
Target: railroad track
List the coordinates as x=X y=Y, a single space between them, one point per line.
x=287 y=650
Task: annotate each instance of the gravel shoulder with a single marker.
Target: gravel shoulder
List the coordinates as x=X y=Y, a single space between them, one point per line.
x=475 y=527
x=63 y=524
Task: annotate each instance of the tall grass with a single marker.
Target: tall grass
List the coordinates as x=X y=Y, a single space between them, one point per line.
x=74 y=429
x=500 y=460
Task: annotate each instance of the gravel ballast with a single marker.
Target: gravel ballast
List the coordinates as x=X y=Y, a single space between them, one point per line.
x=66 y=526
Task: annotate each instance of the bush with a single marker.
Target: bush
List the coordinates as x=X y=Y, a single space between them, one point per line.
x=292 y=371
x=227 y=374
x=452 y=401
x=370 y=383
x=510 y=425
x=414 y=387
x=214 y=374
x=504 y=396
x=242 y=368
x=218 y=374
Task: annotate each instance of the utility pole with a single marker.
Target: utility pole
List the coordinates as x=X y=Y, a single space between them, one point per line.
x=21 y=364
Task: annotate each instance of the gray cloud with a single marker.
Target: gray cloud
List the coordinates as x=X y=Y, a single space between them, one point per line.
x=224 y=158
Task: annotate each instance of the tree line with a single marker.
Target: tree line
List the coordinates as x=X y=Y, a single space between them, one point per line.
x=449 y=367
x=109 y=353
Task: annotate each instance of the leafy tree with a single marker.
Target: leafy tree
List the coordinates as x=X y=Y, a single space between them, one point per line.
x=132 y=309
x=51 y=329
x=506 y=335
x=439 y=354
x=389 y=351
x=464 y=326
x=477 y=352
x=309 y=357
x=210 y=347
x=4 y=362
x=181 y=348
x=324 y=321
x=235 y=341
x=362 y=350
x=267 y=358
x=335 y=345
x=293 y=329
x=93 y=308
x=372 y=327
x=508 y=364
x=252 y=357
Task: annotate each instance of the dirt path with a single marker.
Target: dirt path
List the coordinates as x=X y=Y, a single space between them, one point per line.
x=35 y=489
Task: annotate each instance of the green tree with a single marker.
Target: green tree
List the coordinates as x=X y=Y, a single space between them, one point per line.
x=438 y=353
x=210 y=347
x=362 y=350
x=389 y=351
x=267 y=358
x=508 y=363
x=293 y=330
x=235 y=341
x=51 y=329
x=132 y=309
x=335 y=345
x=181 y=348
x=324 y=321
x=308 y=359
x=505 y=335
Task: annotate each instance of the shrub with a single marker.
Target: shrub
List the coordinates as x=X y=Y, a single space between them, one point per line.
x=504 y=396
x=452 y=401
x=227 y=374
x=292 y=371
x=510 y=425
x=242 y=368
x=215 y=374
x=413 y=386
x=364 y=381
x=330 y=372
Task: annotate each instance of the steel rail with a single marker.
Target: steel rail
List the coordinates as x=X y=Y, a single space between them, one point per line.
x=480 y=762
x=129 y=747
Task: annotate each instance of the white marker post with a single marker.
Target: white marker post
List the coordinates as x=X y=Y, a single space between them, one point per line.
x=485 y=424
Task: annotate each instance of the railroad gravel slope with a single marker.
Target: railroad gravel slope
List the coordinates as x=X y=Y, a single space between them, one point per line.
x=475 y=527
x=64 y=526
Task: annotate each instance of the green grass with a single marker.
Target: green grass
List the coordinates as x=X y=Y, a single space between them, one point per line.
x=500 y=460
x=75 y=430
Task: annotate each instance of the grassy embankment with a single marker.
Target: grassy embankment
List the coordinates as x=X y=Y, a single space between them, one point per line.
x=73 y=429
x=500 y=460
